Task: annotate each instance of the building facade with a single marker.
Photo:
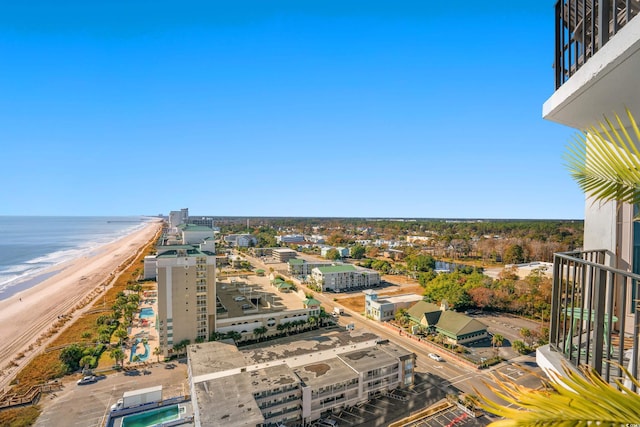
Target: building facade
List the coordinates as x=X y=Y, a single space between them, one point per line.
x=241 y=240
x=597 y=58
x=295 y=382
x=195 y=234
x=344 y=277
x=382 y=309
x=457 y=328
x=302 y=268
x=186 y=279
x=283 y=254
x=290 y=238
x=177 y=218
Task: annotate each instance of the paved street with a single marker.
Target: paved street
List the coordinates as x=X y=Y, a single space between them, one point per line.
x=450 y=375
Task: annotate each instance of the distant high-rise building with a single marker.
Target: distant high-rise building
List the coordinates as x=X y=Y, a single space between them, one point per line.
x=204 y=221
x=177 y=218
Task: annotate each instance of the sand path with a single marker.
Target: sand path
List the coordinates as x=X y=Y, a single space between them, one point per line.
x=26 y=315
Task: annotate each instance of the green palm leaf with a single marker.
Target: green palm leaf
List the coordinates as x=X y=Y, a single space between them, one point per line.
x=574 y=399
x=610 y=169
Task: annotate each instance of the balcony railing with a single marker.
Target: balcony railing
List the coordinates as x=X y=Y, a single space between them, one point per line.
x=595 y=314
x=578 y=35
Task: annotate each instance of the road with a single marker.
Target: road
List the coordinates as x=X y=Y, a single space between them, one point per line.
x=452 y=373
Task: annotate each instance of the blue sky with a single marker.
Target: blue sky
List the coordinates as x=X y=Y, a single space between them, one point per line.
x=281 y=108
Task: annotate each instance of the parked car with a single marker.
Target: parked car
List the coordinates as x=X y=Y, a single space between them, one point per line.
x=87 y=380
x=327 y=422
x=435 y=357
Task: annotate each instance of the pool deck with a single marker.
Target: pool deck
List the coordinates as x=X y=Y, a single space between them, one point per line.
x=144 y=329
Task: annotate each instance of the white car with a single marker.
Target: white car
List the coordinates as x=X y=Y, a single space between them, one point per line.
x=435 y=357
x=238 y=299
x=87 y=380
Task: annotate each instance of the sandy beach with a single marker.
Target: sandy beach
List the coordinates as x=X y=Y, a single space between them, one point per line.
x=26 y=315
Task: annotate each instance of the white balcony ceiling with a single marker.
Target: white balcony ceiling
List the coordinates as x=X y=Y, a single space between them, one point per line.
x=607 y=83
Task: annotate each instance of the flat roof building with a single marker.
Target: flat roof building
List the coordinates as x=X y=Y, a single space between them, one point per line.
x=283 y=254
x=292 y=380
x=385 y=308
x=343 y=277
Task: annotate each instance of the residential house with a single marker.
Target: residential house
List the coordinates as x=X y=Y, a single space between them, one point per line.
x=241 y=240
x=458 y=328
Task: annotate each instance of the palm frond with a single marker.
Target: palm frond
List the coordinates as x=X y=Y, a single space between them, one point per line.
x=605 y=162
x=573 y=399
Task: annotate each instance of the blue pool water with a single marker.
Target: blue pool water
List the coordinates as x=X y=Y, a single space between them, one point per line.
x=151 y=418
x=146 y=313
x=141 y=356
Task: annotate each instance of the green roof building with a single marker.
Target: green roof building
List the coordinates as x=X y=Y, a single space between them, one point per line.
x=457 y=327
x=344 y=277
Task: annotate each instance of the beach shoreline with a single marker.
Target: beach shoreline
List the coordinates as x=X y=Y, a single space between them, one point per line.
x=29 y=313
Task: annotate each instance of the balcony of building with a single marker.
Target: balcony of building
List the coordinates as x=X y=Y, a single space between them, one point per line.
x=595 y=71
x=595 y=317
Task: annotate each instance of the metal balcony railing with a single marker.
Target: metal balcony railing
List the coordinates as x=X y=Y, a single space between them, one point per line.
x=595 y=314
x=578 y=35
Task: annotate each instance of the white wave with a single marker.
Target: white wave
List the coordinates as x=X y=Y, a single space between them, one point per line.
x=28 y=270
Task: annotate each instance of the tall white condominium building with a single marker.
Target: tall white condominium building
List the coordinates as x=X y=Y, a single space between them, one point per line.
x=178 y=217
x=186 y=295
x=597 y=73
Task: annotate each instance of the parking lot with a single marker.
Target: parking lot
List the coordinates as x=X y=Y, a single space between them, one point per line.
x=87 y=405
x=384 y=409
x=449 y=418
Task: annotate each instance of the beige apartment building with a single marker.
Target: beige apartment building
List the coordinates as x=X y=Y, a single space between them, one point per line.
x=186 y=295
x=292 y=381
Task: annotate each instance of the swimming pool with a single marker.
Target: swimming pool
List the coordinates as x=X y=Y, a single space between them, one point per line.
x=141 y=356
x=146 y=313
x=153 y=417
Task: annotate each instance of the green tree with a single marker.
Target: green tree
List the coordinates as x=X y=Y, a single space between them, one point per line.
x=357 y=251
x=87 y=362
x=259 y=332
x=381 y=265
x=157 y=352
x=332 y=254
x=121 y=334
x=514 y=254
x=235 y=336
x=496 y=341
x=421 y=263
x=525 y=333
x=71 y=356
x=313 y=321
x=402 y=317
x=181 y=347
x=520 y=347
x=118 y=355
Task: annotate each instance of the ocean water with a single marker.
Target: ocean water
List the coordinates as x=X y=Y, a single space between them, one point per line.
x=29 y=245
